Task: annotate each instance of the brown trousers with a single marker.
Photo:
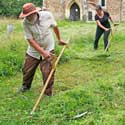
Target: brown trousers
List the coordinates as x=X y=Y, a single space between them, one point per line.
x=29 y=68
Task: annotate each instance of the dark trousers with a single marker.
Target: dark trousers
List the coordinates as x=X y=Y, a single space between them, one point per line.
x=29 y=68
x=98 y=34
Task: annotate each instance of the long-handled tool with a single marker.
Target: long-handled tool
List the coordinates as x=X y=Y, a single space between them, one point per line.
x=112 y=32
x=48 y=79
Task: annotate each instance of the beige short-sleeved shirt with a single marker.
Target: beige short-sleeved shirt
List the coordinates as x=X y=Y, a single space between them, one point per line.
x=41 y=32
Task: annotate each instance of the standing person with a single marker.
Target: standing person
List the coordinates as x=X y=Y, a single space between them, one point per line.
x=37 y=30
x=103 y=26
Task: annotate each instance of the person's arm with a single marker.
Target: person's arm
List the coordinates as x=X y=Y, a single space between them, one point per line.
x=60 y=41
x=101 y=26
x=111 y=20
x=36 y=46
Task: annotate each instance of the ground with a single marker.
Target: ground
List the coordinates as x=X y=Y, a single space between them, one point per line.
x=85 y=80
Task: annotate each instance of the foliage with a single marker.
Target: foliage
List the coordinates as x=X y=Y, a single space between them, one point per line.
x=14 y=7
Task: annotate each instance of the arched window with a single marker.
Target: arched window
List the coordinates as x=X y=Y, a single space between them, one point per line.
x=103 y=3
x=89 y=15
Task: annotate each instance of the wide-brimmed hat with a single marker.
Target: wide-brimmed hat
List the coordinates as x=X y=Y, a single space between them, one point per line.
x=28 y=9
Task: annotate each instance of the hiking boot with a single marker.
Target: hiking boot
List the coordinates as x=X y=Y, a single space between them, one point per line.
x=48 y=92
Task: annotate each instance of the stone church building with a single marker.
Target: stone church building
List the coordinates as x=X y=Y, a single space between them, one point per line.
x=80 y=10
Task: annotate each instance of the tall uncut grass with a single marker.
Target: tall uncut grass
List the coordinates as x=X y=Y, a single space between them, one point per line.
x=85 y=80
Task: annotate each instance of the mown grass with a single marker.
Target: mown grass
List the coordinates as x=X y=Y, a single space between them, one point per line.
x=86 y=80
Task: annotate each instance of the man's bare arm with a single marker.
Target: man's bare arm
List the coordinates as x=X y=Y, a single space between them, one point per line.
x=37 y=47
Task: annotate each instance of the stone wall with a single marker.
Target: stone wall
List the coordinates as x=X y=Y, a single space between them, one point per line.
x=113 y=7
x=123 y=10
x=56 y=7
x=61 y=8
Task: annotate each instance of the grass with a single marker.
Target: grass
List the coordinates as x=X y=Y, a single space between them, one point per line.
x=85 y=80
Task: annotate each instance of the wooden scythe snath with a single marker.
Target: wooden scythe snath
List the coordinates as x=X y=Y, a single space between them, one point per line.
x=48 y=79
x=112 y=33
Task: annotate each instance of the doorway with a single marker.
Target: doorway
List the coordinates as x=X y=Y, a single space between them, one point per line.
x=74 y=12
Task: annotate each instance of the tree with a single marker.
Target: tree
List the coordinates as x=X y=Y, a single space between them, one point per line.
x=14 y=7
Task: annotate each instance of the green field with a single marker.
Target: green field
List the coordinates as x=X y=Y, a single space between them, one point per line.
x=85 y=80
